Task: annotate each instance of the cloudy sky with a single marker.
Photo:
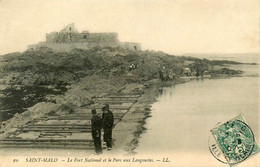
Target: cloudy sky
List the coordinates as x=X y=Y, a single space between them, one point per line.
x=173 y=26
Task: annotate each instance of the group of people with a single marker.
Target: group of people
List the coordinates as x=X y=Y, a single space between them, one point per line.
x=107 y=123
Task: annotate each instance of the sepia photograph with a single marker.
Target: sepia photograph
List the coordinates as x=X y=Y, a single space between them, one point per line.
x=171 y=83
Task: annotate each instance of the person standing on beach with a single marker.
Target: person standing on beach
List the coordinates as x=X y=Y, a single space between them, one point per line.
x=96 y=126
x=108 y=123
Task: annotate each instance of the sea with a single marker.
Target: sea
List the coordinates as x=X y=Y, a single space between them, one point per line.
x=181 y=119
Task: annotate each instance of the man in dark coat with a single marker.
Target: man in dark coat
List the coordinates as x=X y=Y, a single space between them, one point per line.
x=96 y=126
x=108 y=124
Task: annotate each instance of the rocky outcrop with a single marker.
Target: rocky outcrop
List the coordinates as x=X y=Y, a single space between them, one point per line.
x=75 y=78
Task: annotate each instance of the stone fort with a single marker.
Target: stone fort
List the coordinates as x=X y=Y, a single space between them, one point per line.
x=69 y=38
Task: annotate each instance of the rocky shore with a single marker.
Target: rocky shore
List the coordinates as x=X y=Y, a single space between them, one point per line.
x=39 y=82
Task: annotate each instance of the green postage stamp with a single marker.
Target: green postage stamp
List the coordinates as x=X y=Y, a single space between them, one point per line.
x=236 y=140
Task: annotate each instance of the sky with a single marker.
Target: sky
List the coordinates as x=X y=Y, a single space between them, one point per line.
x=172 y=26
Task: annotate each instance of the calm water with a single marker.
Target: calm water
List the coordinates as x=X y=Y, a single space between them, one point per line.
x=183 y=116
x=243 y=58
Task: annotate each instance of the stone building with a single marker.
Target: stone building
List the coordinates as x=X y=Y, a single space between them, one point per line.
x=69 y=38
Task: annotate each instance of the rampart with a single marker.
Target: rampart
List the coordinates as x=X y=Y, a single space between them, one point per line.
x=66 y=47
x=69 y=38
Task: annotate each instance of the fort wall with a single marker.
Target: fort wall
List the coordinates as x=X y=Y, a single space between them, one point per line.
x=66 y=47
x=65 y=37
x=103 y=38
x=69 y=38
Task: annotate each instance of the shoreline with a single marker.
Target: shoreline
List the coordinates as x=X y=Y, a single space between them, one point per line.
x=115 y=79
x=132 y=125
x=127 y=132
x=140 y=109
x=143 y=112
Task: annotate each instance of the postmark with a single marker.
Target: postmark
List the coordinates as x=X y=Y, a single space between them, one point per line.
x=235 y=140
x=215 y=149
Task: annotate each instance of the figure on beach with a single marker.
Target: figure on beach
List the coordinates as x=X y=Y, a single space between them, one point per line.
x=96 y=126
x=108 y=123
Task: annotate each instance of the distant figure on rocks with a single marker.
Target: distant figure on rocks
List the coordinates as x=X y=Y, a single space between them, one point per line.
x=96 y=126
x=108 y=123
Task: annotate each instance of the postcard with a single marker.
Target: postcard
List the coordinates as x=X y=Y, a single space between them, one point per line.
x=129 y=83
